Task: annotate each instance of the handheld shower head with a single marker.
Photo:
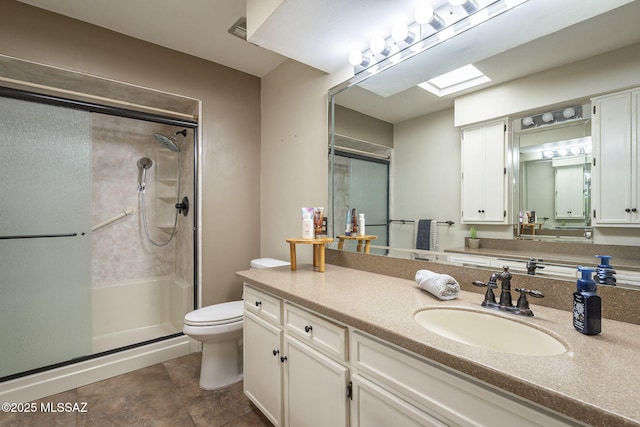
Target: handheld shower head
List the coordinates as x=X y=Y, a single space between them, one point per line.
x=170 y=142
x=144 y=163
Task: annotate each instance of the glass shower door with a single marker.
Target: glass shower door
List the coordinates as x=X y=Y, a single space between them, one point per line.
x=45 y=239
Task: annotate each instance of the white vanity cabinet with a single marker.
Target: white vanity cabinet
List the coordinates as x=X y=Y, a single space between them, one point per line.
x=316 y=375
x=328 y=374
x=484 y=173
x=616 y=159
x=393 y=384
x=295 y=368
x=262 y=349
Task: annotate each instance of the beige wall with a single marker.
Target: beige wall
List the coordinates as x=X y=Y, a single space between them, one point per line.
x=230 y=123
x=294 y=152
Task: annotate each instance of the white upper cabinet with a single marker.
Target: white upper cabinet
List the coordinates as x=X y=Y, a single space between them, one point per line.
x=570 y=198
x=616 y=159
x=484 y=173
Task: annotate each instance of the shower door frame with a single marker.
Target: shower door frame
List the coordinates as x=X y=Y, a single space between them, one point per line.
x=131 y=114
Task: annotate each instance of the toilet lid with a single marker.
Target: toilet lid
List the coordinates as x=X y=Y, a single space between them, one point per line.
x=217 y=314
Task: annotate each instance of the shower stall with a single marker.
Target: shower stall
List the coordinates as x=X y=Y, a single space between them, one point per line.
x=97 y=231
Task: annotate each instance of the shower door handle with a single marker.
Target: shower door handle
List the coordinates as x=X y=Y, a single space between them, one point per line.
x=38 y=236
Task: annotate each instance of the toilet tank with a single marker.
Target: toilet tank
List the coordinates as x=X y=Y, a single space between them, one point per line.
x=267 y=263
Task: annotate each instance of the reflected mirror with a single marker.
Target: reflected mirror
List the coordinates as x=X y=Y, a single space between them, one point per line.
x=384 y=115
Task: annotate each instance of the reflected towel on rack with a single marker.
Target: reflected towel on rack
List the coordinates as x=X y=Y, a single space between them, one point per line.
x=442 y=286
x=427 y=235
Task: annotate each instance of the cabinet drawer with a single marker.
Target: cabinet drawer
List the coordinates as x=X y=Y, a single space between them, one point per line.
x=264 y=305
x=438 y=391
x=321 y=334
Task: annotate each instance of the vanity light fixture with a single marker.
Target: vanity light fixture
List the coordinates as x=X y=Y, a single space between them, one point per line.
x=552 y=117
x=429 y=29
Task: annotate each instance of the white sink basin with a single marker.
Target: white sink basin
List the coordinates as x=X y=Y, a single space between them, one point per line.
x=485 y=330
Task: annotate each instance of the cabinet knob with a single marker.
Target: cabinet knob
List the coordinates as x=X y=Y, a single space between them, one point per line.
x=276 y=352
x=283 y=359
x=634 y=210
x=308 y=329
x=258 y=303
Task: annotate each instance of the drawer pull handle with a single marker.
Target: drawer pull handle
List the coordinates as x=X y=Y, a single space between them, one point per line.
x=276 y=352
x=283 y=359
x=308 y=329
x=258 y=303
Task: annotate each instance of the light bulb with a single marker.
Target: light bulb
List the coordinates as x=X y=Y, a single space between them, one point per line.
x=562 y=152
x=378 y=45
x=567 y=113
x=527 y=121
x=575 y=150
x=424 y=13
x=547 y=117
x=357 y=58
x=547 y=154
x=401 y=33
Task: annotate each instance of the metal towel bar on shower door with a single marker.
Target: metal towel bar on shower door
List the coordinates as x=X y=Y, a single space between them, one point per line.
x=38 y=236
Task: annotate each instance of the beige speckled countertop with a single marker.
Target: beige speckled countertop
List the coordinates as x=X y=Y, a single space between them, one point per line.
x=596 y=382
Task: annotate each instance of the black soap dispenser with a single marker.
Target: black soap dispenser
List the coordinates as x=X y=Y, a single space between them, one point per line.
x=587 y=304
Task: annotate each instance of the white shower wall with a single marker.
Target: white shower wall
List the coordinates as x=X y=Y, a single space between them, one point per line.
x=120 y=250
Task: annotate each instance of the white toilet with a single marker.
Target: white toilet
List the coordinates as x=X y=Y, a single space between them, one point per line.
x=219 y=328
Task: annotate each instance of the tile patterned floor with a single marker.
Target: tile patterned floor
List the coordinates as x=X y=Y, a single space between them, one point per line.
x=166 y=394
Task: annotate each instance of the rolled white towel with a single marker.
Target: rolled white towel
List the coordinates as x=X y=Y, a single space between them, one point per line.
x=442 y=286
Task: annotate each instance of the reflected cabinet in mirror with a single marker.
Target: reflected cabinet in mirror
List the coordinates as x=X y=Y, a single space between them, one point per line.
x=540 y=145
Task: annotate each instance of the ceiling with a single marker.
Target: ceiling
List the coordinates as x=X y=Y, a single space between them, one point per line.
x=322 y=33
x=317 y=33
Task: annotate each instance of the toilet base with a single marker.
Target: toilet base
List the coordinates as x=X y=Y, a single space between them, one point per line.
x=221 y=364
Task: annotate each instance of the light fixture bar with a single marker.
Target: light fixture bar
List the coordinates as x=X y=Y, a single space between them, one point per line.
x=429 y=29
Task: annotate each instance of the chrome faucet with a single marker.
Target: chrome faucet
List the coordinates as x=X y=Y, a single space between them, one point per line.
x=506 y=303
x=532 y=264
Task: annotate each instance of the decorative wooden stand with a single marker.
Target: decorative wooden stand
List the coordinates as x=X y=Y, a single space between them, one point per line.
x=366 y=239
x=531 y=226
x=318 y=250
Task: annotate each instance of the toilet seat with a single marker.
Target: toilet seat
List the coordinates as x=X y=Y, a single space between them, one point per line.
x=218 y=314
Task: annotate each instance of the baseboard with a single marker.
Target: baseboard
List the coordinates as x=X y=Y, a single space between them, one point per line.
x=43 y=384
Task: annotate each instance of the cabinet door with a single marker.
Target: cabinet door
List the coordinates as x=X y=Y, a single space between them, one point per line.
x=570 y=199
x=315 y=388
x=374 y=406
x=262 y=366
x=635 y=155
x=483 y=173
x=472 y=174
x=613 y=160
x=494 y=166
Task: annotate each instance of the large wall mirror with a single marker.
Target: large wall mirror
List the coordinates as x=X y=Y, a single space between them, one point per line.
x=385 y=118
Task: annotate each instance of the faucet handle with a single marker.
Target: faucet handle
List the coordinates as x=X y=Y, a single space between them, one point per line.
x=523 y=304
x=489 y=296
x=535 y=294
x=483 y=284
